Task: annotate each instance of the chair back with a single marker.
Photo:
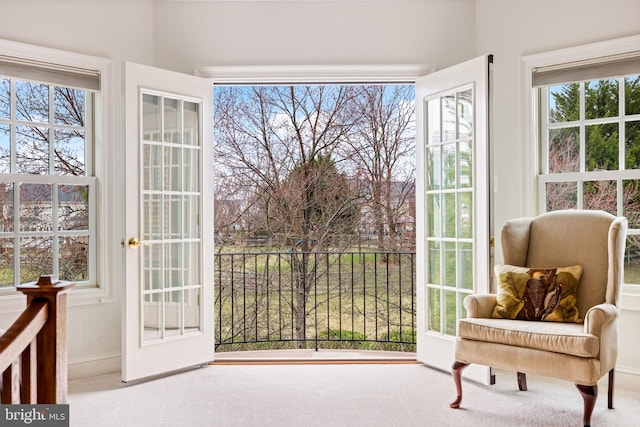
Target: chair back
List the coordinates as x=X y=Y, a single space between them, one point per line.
x=593 y=239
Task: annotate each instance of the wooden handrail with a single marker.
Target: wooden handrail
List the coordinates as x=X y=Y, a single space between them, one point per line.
x=33 y=351
x=22 y=332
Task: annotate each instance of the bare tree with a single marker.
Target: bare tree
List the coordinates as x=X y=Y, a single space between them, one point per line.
x=383 y=152
x=279 y=141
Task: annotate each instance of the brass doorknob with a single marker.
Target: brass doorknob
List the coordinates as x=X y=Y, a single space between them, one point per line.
x=134 y=243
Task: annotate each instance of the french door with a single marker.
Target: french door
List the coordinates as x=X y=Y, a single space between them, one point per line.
x=453 y=205
x=168 y=317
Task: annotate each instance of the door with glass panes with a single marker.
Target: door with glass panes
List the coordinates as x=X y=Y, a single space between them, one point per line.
x=169 y=285
x=453 y=204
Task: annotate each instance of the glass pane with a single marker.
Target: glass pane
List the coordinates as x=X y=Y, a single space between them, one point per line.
x=173 y=265
x=632 y=143
x=32 y=150
x=564 y=150
x=191 y=210
x=434 y=169
x=449 y=165
x=73 y=262
x=433 y=121
x=465 y=164
x=434 y=309
x=35 y=207
x=6 y=206
x=449 y=118
x=600 y=195
x=192 y=265
x=434 y=263
x=152 y=227
x=152 y=312
x=632 y=95
x=6 y=263
x=152 y=169
x=191 y=169
x=173 y=309
x=172 y=121
x=449 y=215
x=5 y=98
x=434 y=215
x=465 y=114
x=450 y=312
x=632 y=260
x=465 y=268
x=192 y=310
x=564 y=103
x=465 y=215
x=631 y=202
x=191 y=123
x=173 y=168
x=69 y=152
x=5 y=148
x=36 y=258
x=32 y=102
x=173 y=217
x=601 y=99
x=69 y=106
x=151 y=118
x=152 y=266
x=602 y=147
x=73 y=207
x=449 y=278
x=562 y=195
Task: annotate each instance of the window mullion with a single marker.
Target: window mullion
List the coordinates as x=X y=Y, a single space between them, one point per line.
x=621 y=127
x=13 y=115
x=582 y=130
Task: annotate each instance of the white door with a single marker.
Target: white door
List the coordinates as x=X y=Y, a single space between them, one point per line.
x=453 y=208
x=168 y=318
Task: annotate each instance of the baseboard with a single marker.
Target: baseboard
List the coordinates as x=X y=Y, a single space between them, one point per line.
x=627 y=378
x=94 y=365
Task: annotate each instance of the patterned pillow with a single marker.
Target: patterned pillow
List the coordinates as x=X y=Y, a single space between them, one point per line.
x=537 y=293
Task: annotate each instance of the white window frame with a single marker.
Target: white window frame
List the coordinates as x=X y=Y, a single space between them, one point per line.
x=106 y=150
x=532 y=158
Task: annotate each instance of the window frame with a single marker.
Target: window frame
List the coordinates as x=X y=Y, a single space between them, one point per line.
x=531 y=126
x=103 y=175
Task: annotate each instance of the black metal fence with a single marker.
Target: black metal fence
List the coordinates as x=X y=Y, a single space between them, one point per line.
x=273 y=300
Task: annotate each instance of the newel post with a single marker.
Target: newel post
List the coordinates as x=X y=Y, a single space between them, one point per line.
x=51 y=342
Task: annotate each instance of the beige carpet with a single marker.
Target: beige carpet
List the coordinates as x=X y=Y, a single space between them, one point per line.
x=334 y=395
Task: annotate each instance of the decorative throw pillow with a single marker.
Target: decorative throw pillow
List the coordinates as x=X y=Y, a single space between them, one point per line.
x=537 y=293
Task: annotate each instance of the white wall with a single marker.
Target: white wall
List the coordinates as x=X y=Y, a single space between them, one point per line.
x=510 y=29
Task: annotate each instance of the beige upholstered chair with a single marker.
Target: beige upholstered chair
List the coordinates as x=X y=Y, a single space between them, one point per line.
x=579 y=352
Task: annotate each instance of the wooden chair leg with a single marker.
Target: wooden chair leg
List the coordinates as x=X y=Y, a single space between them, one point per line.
x=589 y=395
x=522 y=381
x=610 y=394
x=457 y=369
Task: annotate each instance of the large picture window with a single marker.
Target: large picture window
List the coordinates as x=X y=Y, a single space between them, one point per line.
x=589 y=139
x=47 y=184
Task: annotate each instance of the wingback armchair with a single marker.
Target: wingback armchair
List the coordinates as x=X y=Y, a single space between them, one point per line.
x=581 y=350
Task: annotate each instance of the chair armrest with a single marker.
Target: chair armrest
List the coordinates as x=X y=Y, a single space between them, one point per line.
x=480 y=305
x=598 y=316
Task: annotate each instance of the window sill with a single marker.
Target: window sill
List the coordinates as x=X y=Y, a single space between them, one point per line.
x=16 y=301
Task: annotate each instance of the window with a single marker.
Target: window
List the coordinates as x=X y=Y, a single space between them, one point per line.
x=47 y=182
x=589 y=141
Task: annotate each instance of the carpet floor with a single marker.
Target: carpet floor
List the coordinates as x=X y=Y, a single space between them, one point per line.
x=336 y=395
